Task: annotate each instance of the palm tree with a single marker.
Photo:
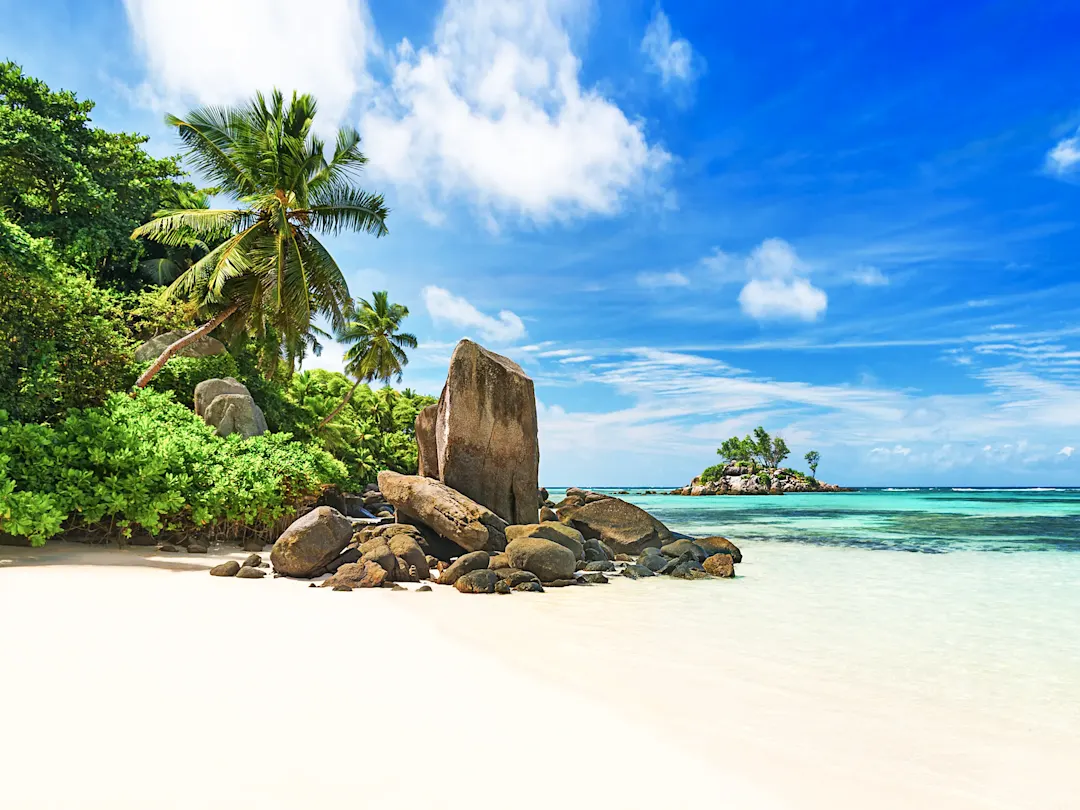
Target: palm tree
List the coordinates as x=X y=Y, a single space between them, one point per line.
x=378 y=348
x=188 y=248
x=271 y=271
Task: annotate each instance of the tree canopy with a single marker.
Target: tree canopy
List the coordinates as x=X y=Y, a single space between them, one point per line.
x=84 y=188
x=766 y=450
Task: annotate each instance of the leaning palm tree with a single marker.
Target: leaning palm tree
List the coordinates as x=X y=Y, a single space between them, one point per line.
x=272 y=272
x=377 y=350
x=186 y=248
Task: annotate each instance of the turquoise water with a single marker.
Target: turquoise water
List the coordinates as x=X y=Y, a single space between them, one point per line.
x=916 y=520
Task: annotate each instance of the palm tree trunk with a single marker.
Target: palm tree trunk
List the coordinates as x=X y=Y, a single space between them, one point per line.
x=343 y=403
x=177 y=345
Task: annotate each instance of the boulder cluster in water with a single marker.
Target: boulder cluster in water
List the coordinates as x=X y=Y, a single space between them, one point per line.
x=740 y=479
x=475 y=517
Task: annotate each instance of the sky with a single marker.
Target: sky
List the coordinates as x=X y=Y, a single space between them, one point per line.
x=853 y=223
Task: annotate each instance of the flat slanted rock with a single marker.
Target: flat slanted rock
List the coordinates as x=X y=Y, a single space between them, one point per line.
x=311 y=543
x=203 y=347
x=626 y=528
x=486 y=435
x=449 y=513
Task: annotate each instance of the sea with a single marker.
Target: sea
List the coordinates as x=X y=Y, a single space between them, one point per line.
x=933 y=520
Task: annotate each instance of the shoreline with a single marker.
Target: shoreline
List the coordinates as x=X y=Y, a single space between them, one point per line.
x=768 y=690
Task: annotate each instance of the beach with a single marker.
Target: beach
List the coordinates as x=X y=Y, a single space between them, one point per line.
x=821 y=677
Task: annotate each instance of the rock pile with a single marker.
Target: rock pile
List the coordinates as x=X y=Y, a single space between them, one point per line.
x=475 y=519
x=741 y=479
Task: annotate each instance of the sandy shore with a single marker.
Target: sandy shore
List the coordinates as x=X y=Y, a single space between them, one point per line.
x=137 y=681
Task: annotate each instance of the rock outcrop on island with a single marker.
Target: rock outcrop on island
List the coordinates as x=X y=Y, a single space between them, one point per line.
x=485 y=433
x=745 y=479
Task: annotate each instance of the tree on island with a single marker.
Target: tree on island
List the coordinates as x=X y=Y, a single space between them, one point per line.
x=271 y=272
x=761 y=447
x=812 y=460
x=378 y=346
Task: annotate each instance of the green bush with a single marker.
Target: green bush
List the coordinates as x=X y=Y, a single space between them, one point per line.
x=181 y=374
x=713 y=473
x=763 y=478
x=62 y=342
x=149 y=463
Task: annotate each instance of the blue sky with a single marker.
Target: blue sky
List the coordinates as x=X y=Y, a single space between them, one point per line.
x=854 y=223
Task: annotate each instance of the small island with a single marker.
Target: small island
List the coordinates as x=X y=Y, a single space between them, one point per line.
x=751 y=466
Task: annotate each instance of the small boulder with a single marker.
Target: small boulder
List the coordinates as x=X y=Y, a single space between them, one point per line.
x=499 y=561
x=557 y=532
x=235 y=413
x=403 y=572
x=382 y=555
x=209 y=390
x=424 y=589
x=594 y=578
x=547 y=559
x=254 y=561
x=311 y=542
x=547 y=515
x=480 y=581
x=502 y=586
x=152 y=349
x=466 y=563
x=349 y=555
x=250 y=572
x=365 y=574
x=196 y=548
x=515 y=577
x=680 y=547
x=226 y=569
x=720 y=565
x=671 y=565
x=168 y=548
x=635 y=571
x=719 y=545
x=600 y=565
x=529 y=587
x=689 y=570
x=406 y=547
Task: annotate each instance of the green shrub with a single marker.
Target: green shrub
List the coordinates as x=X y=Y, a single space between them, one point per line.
x=763 y=478
x=62 y=343
x=149 y=463
x=181 y=374
x=713 y=473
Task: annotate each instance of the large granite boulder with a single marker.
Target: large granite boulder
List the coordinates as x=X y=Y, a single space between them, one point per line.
x=448 y=512
x=545 y=558
x=720 y=565
x=152 y=349
x=235 y=413
x=625 y=528
x=310 y=543
x=557 y=532
x=209 y=390
x=425 y=441
x=486 y=435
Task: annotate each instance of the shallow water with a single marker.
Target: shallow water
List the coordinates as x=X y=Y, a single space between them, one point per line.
x=920 y=520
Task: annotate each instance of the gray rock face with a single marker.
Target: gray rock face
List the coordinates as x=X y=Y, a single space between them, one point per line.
x=425 y=441
x=545 y=558
x=486 y=435
x=310 y=543
x=235 y=413
x=466 y=563
x=680 y=547
x=203 y=347
x=557 y=532
x=209 y=390
x=452 y=515
x=626 y=528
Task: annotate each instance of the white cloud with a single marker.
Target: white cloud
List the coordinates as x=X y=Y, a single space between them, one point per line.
x=494 y=112
x=581 y=358
x=213 y=52
x=557 y=353
x=898 y=450
x=669 y=279
x=444 y=306
x=777 y=288
x=869 y=276
x=672 y=58
x=1066 y=451
x=1065 y=156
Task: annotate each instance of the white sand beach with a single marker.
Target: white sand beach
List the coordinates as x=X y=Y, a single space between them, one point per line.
x=820 y=678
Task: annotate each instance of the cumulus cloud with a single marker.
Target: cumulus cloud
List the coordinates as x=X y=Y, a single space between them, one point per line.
x=669 y=279
x=494 y=112
x=1064 y=158
x=778 y=288
x=898 y=450
x=444 y=306
x=672 y=58
x=1066 y=451
x=194 y=54
x=869 y=276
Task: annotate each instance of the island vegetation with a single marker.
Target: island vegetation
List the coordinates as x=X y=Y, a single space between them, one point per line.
x=104 y=247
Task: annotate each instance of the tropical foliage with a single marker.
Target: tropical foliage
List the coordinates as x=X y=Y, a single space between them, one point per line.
x=761 y=448
x=82 y=187
x=376 y=344
x=813 y=458
x=271 y=275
